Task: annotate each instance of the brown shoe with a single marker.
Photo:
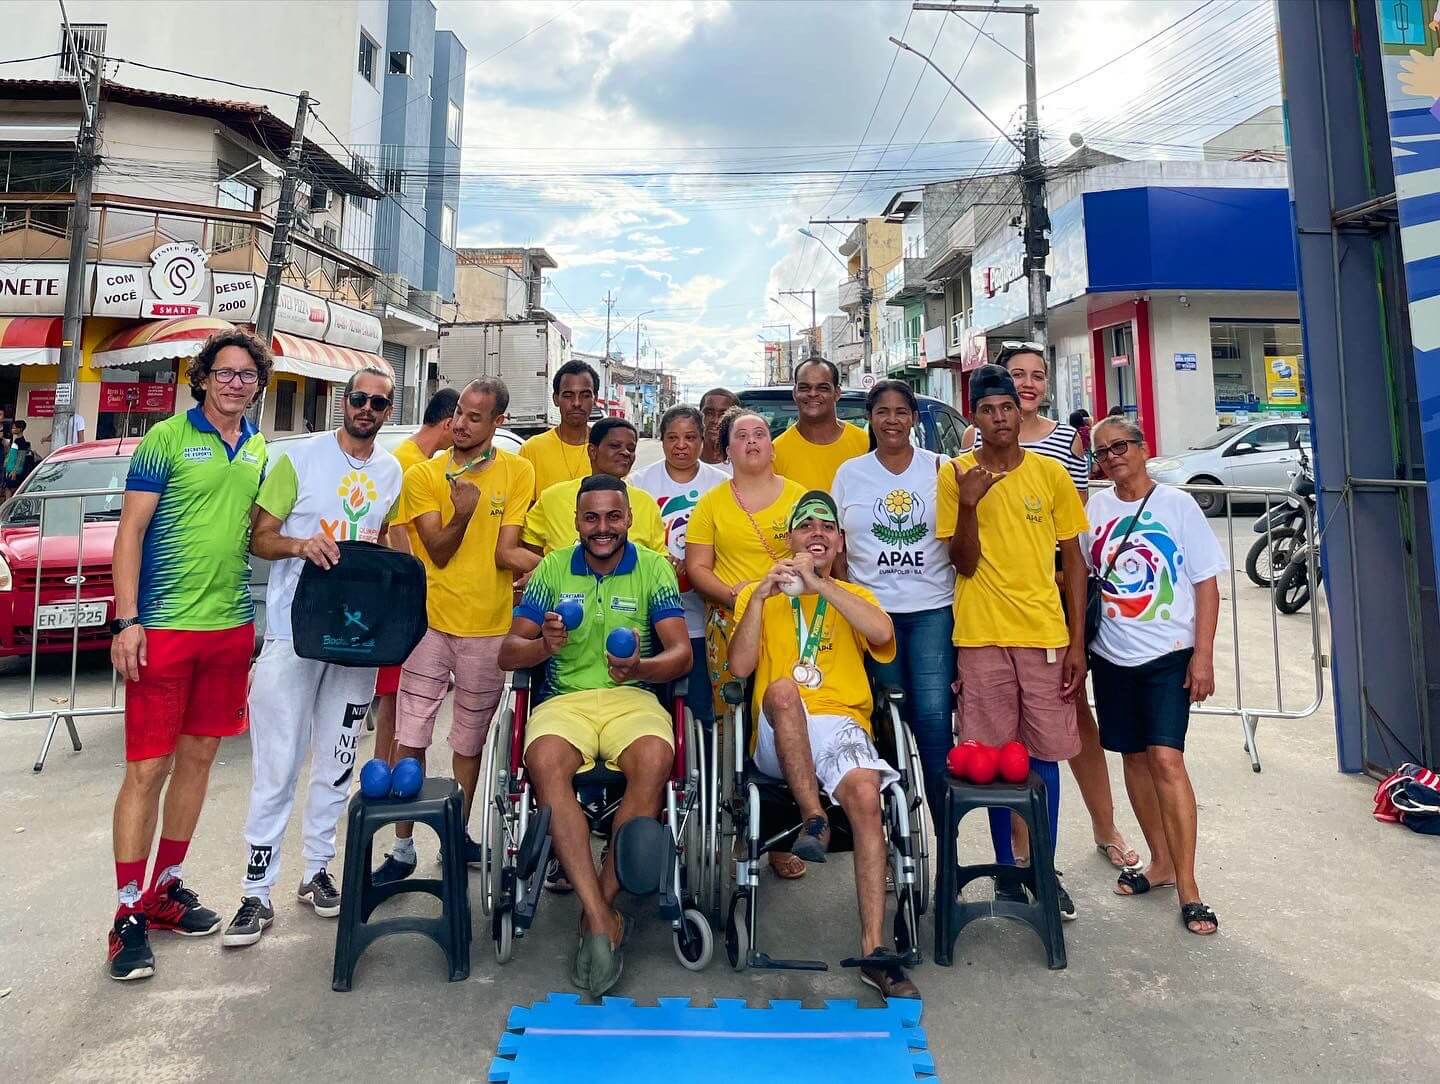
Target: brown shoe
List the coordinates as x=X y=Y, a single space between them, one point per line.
x=890 y=980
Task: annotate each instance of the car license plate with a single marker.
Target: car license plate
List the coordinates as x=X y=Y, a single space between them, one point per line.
x=63 y=616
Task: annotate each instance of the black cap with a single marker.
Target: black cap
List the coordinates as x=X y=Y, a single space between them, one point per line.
x=991 y=380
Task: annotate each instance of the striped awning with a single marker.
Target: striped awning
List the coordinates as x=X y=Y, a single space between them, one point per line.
x=30 y=340
x=322 y=361
x=157 y=340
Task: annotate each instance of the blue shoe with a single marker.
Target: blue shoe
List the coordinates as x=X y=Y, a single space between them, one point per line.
x=391 y=870
x=814 y=840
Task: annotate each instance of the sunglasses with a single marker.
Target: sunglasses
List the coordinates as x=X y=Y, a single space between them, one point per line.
x=358 y=399
x=1015 y=346
x=1115 y=449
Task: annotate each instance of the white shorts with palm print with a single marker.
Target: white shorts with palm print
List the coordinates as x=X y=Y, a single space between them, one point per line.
x=837 y=745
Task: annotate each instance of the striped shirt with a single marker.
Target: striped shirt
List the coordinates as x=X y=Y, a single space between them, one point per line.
x=1058 y=445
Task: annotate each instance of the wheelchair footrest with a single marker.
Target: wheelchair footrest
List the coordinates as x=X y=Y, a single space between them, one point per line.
x=765 y=962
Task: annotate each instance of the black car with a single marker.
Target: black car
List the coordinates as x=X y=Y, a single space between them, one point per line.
x=939 y=429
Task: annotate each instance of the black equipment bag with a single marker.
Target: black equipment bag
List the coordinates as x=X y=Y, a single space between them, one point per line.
x=369 y=610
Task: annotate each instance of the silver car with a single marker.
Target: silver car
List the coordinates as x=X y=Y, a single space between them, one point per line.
x=1258 y=453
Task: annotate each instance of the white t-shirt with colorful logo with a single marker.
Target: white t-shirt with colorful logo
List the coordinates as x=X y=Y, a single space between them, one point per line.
x=1149 y=598
x=677 y=500
x=312 y=486
x=889 y=522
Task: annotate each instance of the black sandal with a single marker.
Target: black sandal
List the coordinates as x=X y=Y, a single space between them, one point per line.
x=1198 y=912
x=1138 y=883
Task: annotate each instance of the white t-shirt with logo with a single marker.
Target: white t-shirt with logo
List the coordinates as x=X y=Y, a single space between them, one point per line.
x=677 y=500
x=889 y=522
x=1149 y=599
x=311 y=486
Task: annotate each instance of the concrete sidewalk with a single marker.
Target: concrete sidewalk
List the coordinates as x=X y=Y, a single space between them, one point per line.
x=1329 y=928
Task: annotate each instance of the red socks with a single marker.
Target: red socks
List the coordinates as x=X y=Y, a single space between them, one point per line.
x=129 y=876
x=168 y=858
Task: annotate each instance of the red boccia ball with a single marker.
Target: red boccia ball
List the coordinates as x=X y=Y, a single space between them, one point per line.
x=984 y=764
x=1014 y=762
x=958 y=759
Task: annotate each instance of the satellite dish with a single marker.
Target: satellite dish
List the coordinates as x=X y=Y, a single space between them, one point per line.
x=1076 y=139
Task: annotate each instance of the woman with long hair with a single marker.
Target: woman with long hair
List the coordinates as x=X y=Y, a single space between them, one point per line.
x=736 y=534
x=887 y=509
x=1026 y=364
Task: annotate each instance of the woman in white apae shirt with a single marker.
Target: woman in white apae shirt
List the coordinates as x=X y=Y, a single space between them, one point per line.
x=1153 y=655
x=887 y=509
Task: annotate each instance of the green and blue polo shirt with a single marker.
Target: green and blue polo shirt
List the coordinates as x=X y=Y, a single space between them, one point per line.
x=640 y=593
x=195 y=560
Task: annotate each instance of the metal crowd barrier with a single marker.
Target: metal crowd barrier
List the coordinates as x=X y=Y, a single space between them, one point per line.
x=1245 y=707
x=58 y=614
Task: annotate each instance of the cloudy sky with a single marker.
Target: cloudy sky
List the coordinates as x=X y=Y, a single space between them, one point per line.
x=667 y=151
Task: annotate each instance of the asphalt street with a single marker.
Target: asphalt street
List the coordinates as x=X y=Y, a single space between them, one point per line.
x=1319 y=970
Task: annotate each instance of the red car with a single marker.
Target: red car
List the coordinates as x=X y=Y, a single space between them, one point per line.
x=97 y=464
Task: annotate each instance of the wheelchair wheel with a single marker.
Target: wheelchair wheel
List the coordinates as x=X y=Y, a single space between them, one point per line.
x=920 y=827
x=504 y=932
x=694 y=943
x=737 y=933
x=724 y=830
x=695 y=815
x=493 y=853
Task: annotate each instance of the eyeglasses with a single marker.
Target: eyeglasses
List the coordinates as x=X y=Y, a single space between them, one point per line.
x=358 y=399
x=229 y=376
x=1114 y=449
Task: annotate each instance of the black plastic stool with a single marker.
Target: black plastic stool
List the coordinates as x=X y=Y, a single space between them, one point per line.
x=439 y=805
x=951 y=914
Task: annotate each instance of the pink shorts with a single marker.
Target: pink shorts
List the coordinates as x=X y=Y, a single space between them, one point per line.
x=425 y=678
x=1013 y=694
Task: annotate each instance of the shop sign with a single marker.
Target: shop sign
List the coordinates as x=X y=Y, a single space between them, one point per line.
x=119 y=290
x=33 y=288
x=353 y=328
x=139 y=397
x=177 y=281
x=1187 y=363
x=235 y=296
x=40 y=403
x=1119 y=361
x=1282 y=383
x=299 y=313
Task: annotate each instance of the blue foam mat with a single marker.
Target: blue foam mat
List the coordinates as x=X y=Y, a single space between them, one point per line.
x=618 y=1042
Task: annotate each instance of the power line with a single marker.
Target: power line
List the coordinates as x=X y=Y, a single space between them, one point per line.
x=205 y=78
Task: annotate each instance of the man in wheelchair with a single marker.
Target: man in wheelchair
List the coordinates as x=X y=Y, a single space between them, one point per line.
x=598 y=707
x=804 y=637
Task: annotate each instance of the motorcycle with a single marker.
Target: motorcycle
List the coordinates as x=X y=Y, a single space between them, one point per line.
x=1292 y=587
x=1282 y=530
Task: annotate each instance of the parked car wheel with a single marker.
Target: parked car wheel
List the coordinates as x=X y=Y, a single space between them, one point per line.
x=1212 y=504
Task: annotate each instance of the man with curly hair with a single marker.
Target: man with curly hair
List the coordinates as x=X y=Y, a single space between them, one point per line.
x=322 y=490
x=804 y=636
x=183 y=634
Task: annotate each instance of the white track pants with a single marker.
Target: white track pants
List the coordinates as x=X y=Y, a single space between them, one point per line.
x=300 y=706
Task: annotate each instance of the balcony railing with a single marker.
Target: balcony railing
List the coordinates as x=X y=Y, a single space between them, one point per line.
x=851 y=295
x=905 y=281
x=902 y=356
x=848 y=353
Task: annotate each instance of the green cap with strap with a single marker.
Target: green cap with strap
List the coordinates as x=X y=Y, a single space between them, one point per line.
x=816 y=504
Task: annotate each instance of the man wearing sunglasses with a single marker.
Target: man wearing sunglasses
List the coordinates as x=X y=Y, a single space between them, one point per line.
x=329 y=488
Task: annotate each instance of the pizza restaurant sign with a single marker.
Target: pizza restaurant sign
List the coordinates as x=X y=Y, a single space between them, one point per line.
x=177 y=282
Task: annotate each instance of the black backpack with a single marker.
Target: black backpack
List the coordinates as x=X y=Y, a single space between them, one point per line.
x=369 y=610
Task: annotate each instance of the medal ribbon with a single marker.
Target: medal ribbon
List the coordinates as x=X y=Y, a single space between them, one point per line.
x=809 y=644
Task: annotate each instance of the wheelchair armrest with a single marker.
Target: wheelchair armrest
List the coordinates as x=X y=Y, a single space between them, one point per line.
x=525 y=679
x=734 y=693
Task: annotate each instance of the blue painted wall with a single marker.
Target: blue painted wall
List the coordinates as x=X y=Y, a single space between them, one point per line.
x=444 y=187
x=400 y=240
x=1156 y=238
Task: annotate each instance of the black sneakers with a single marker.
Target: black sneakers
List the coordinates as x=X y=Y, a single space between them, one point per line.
x=129 y=954
x=391 y=870
x=176 y=908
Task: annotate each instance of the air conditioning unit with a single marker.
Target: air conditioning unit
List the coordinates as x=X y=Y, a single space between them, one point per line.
x=394 y=290
x=321 y=199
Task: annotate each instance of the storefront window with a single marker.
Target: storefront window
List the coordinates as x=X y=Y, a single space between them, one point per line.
x=1259 y=367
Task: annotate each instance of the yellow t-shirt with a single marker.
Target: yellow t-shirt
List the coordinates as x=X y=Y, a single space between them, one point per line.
x=409 y=454
x=471 y=596
x=554 y=460
x=845 y=688
x=814 y=465
x=1012 y=601
x=740 y=555
x=550 y=522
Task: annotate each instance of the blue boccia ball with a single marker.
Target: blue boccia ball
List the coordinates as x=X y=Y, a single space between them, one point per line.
x=571 y=613
x=375 y=779
x=405 y=778
x=622 y=643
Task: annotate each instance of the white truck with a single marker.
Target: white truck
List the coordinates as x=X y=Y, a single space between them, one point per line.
x=523 y=353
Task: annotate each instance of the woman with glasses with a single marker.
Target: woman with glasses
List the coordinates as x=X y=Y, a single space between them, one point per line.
x=1026 y=364
x=887 y=510
x=1154 y=654
x=736 y=534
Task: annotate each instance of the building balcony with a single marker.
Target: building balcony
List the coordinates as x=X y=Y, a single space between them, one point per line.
x=903 y=357
x=852 y=296
x=848 y=353
x=955 y=249
x=906 y=281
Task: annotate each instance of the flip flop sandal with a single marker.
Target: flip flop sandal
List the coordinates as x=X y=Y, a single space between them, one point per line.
x=1137 y=883
x=1118 y=858
x=789 y=868
x=1198 y=912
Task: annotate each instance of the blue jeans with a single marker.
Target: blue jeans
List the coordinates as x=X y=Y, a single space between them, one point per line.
x=924 y=667
x=699 y=697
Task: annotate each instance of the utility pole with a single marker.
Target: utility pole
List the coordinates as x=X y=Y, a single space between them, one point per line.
x=89 y=67
x=609 y=304
x=867 y=295
x=280 y=244
x=1032 y=169
x=814 y=335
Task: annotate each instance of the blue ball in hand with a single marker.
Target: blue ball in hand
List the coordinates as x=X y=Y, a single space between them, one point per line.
x=375 y=779
x=622 y=643
x=571 y=612
x=405 y=778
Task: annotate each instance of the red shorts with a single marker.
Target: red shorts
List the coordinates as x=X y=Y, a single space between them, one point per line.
x=387 y=681
x=192 y=683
